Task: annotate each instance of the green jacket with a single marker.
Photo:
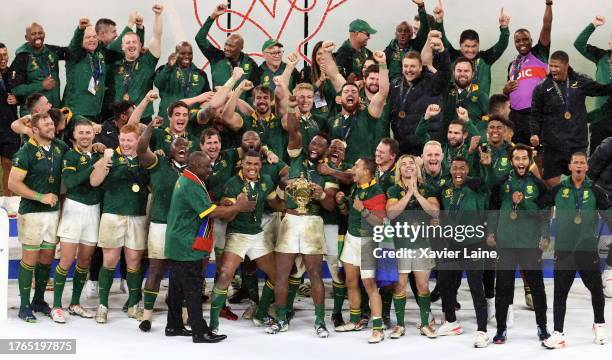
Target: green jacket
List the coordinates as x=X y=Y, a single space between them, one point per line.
x=474 y=100
x=395 y=54
x=31 y=67
x=599 y=56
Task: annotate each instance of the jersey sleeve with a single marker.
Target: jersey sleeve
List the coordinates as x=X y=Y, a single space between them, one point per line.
x=199 y=201
x=21 y=161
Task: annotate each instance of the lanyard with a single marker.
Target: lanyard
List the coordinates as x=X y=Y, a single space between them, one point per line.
x=404 y=96
x=184 y=81
x=566 y=100
x=450 y=157
x=50 y=161
x=516 y=66
x=135 y=175
x=3 y=85
x=127 y=78
x=468 y=92
x=475 y=75
x=577 y=199
x=454 y=207
x=97 y=70
x=347 y=130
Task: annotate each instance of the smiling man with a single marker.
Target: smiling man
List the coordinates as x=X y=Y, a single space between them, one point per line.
x=558 y=115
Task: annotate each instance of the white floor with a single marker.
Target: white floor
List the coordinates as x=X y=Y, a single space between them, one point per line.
x=120 y=338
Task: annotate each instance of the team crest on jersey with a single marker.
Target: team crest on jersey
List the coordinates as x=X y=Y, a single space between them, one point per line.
x=529 y=189
x=57 y=150
x=266 y=79
x=122 y=160
x=195 y=77
x=247 y=67
x=565 y=193
x=442 y=182
x=83 y=159
x=168 y=138
x=396 y=55
x=448 y=193
x=507 y=188
x=585 y=195
x=39 y=155
x=474 y=98
x=223 y=163
x=504 y=161
x=362 y=196
x=264 y=187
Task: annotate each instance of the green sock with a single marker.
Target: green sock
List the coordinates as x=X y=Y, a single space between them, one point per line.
x=149 y=298
x=105 y=281
x=355 y=315
x=377 y=323
x=78 y=282
x=294 y=285
x=387 y=298
x=267 y=297
x=281 y=313
x=320 y=314
x=41 y=278
x=134 y=283
x=424 y=301
x=399 y=302
x=365 y=301
x=252 y=286
x=339 y=293
x=216 y=304
x=59 y=280
x=25 y=283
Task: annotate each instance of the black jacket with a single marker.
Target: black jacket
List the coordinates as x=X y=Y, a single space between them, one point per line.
x=8 y=113
x=600 y=165
x=426 y=90
x=547 y=111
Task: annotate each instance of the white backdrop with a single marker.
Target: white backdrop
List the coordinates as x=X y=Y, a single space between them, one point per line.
x=60 y=18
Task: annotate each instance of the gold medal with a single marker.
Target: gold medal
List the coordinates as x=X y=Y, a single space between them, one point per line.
x=577 y=219
x=513 y=215
x=567 y=115
x=135 y=188
x=402 y=114
x=126 y=97
x=51 y=179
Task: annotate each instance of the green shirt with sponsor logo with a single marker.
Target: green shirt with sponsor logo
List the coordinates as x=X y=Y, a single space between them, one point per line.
x=163 y=173
x=259 y=191
x=189 y=205
x=125 y=176
x=43 y=169
x=356 y=130
x=413 y=214
x=76 y=170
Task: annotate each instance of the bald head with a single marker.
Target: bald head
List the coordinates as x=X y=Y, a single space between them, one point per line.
x=233 y=46
x=35 y=35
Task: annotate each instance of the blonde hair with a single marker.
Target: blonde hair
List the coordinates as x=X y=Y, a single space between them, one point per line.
x=398 y=172
x=302 y=86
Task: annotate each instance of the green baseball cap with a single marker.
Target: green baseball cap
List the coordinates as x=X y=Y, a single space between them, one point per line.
x=359 y=25
x=270 y=43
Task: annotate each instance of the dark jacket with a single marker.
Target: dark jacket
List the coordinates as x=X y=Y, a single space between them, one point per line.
x=600 y=165
x=425 y=90
x=548 y=109
x=8 y=113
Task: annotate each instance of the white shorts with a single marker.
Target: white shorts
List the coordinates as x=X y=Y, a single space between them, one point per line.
x=36 y=228
x=118 y=231
x=253 y=246
x=219 y=234
x=352 y=254
x=301 y=235
x=406 y=265
x=331 y=239
x=157 y=241
x=270 y=224
x=80 y=223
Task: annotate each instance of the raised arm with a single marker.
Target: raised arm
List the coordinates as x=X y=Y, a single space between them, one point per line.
x=145 y=155
x=21 y=126
x=331 y=70
x=281 y=97
x=151 y=96
x=546 y=24
x=590 y=52
x=421 y=35
x=293 y=125
x=379 y=100
x=201 y=38
x=155 y=42
x=492 y=54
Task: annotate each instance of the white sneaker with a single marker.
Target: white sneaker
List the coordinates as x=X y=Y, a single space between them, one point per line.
x=57 y=315
x=481 y=340
x=80 y=311
x=449 y=328
x=606 y=278
x=101 y=314
x=490 y=308
x=555 y=341
x=135 y=312
x=599 y=330
x=91 y=289
x=510 y=317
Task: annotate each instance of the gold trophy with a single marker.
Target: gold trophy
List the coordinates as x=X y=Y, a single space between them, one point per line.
x=301 y=192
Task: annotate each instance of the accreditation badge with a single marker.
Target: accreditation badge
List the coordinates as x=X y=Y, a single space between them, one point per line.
x=92 y=87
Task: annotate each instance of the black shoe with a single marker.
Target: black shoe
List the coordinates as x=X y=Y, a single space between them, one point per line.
x=125 y=306
x=500 y=337
x=145 y=325
x=178 y=332
x=387 y=322
x=41 y=306
x=543 y=333
x=337 y=319
x=208 y=337
x=238 y=297
x=457 y=306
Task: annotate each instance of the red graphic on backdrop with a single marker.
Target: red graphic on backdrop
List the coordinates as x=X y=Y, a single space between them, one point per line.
x=245 y=17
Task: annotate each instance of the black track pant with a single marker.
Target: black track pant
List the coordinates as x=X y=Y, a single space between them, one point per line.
x=449 y=272
x=585 y=263
x=530 y=261
x=185 y=285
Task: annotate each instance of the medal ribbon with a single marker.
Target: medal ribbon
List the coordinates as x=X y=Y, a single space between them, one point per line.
x=351 y=123
x=97 y=70
x=566 y=100
x=185 y=82
x=127 y=78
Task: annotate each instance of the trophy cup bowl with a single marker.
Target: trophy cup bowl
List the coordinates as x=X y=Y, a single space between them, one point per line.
x=301 y=192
